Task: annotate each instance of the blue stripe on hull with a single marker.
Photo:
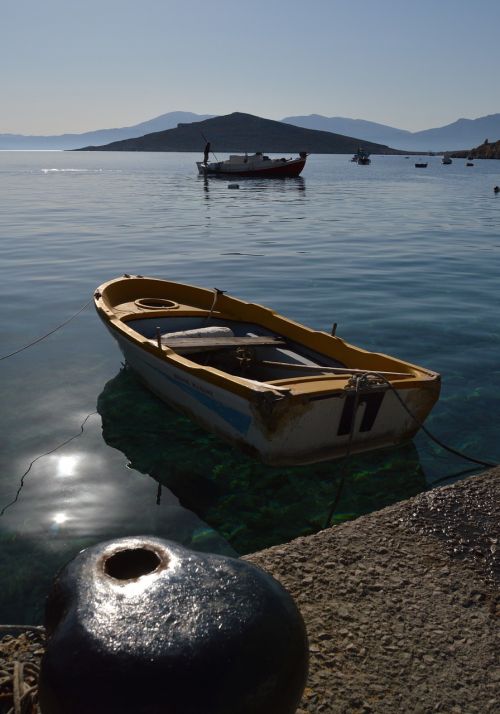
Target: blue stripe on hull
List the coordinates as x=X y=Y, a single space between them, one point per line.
x=238 y=420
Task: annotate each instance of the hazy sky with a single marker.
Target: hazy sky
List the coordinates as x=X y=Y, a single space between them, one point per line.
x=79 y=65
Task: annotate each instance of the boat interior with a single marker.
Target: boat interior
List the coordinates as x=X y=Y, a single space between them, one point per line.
x=238 y=348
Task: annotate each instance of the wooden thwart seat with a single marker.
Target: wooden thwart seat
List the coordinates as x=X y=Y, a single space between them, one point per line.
x=184 y=345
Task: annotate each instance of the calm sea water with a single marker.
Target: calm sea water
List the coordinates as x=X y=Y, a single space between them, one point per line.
x=405 y=260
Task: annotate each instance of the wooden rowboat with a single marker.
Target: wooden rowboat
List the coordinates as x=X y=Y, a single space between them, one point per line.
x=277 y=389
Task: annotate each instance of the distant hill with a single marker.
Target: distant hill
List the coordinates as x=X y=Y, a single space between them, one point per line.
x=367 y=130
x=461 y=134
x=101 y=136
x=240 y=132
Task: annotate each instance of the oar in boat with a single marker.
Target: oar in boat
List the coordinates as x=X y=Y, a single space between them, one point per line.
x=335 y=370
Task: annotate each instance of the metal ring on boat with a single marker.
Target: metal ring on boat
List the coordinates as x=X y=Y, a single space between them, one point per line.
x=156 y=304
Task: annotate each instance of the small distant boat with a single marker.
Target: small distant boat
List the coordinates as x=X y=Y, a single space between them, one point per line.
x=469 y=163
x=420 y=165
x=363 y=157
x=277 y=389
x=257 y=164
x=446 y=160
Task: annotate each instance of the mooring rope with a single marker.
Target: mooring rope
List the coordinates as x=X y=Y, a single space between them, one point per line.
x=21 y=647
x=217 y=293
x=9 y=629
x=24 y=687
x=358 y=380
x=43 y=337
x=340 y=488
x=431 y=436
x=47 y=453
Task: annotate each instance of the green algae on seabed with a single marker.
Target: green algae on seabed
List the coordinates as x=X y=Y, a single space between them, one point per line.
x=251 y=505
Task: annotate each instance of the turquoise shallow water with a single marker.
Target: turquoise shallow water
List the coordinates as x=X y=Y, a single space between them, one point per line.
x=405 y=260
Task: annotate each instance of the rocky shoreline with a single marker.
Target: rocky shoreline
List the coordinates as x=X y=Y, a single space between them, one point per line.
x=486 y=150
x=401 y=606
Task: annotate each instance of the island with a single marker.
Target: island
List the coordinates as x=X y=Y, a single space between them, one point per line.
x=245 y=132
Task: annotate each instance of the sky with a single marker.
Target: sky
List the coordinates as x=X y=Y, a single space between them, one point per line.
x=82 y=65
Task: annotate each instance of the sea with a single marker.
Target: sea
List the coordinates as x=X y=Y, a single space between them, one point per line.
x=405 y=260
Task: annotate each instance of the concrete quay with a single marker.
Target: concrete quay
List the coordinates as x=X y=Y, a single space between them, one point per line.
x=402 y=606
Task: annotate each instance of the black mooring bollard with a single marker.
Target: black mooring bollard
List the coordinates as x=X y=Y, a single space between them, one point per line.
x=141 y=625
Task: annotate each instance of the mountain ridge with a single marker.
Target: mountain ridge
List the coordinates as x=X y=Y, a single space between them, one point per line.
x=459 y=135
x=74 y=141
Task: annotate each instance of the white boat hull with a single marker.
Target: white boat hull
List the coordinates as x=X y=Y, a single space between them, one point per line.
x=256 y=166
x=277 y=432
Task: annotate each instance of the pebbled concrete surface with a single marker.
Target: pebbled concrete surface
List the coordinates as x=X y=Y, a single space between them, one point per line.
x=402 y=606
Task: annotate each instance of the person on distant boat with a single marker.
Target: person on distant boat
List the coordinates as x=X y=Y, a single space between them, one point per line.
x=206 y=154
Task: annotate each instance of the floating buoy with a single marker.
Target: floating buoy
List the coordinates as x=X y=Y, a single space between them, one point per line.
x=497 y=189
x=233 y=185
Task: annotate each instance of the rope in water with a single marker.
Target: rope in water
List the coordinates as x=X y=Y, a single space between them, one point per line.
x=47 y=453
x=67 y=441
x=420 y=424
x=357 y=381
x=43 y=337
x=333 y=505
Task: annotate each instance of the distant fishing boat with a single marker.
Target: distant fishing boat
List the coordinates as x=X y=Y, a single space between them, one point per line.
x=421 y=165
x=257 y=164
x=446 y=160
x=363 y=157
x=277 y=389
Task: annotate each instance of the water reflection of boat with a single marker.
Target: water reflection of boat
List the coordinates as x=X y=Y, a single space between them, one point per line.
x=251 y=505
x=280 y=391
x=256 y=183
